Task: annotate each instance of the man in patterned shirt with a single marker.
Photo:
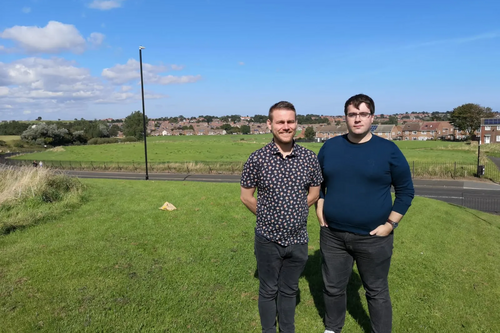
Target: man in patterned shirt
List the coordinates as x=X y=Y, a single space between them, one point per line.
x=288 y=179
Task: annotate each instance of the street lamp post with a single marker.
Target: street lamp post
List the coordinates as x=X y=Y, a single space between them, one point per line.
x=143 y=114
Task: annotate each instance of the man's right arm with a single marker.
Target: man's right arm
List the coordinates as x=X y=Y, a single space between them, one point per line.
x=248 y=198
x=319 y=212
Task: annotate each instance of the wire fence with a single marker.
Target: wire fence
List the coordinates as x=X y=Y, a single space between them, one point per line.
x=454 y=170
x=451 y=170
x=191 y=167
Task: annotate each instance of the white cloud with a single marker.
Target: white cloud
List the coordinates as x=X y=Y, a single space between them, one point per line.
x=54 y=85
x=105 y=4
x=177 y=67
x=57 y=85
x=170 y=79
x=6 y=50
x=460 y=40
x=55 y=37
x=4 y=91
x=26 y=10
x=121 y=74
x=96 y=38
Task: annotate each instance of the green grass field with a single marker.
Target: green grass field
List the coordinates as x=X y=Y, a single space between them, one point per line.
x=119 y=264
x=235 y=148
x=227 y=153
x=9 y=138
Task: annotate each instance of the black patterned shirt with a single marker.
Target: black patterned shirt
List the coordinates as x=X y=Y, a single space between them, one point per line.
x=282 y=187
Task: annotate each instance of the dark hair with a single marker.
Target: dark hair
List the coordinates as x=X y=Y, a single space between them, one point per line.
x=356 y=101
x=283 y=105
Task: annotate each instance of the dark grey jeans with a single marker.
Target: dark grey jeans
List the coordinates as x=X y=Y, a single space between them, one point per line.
x=372 y=254
x=279 y=270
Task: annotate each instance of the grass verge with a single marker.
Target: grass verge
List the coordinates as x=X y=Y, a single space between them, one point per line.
x=31 y=195
x=119 y=264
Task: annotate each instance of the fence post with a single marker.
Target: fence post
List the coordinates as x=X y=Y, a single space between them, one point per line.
x=455 y=171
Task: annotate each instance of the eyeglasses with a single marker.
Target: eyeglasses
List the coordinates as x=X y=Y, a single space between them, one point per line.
x=361 y=114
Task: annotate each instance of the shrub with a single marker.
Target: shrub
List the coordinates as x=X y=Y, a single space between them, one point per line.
x=128 y=139
x=18 y=144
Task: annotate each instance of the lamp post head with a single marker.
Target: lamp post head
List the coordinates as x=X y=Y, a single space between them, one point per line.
x=141 y=47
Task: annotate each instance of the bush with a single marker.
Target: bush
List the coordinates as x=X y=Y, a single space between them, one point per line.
x=18 y=144
x=128 y=139
x=103 y=141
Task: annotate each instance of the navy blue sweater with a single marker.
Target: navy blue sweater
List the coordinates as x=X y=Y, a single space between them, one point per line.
x=357 y=183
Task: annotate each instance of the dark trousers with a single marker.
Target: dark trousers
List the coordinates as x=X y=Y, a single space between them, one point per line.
x=279 y=270
x=372 y=254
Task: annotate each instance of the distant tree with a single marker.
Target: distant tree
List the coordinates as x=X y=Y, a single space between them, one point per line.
x=234 y=130
x=43 y=134
x=435 y=116
x=13 y=127
x=224 y=119
x=39 y=118
x=311 y=119
x=309 y=133
x=133 y=126
x=226 y=127
x=259 y=119
x=392 y=120
x=245 y=129
x=235 y=118
x=208 y=119
x=467 y=117
x=113 y=130
x=338 y=122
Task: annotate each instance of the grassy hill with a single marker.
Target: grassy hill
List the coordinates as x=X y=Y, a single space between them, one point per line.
x=117 y=263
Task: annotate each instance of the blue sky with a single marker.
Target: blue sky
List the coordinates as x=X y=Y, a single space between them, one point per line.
x=66 y=59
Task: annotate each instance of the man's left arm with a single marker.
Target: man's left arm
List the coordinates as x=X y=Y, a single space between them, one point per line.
x=313 y=195
x=316 y=179
x=403 y=192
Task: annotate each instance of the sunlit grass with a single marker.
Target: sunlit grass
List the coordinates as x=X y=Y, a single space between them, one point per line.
x=29 y=195
x=119 y=264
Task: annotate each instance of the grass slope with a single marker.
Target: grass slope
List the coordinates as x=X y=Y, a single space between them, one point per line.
x=119 y=264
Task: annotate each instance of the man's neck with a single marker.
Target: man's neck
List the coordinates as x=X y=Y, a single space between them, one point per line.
x=362 y=138
x=284 y=148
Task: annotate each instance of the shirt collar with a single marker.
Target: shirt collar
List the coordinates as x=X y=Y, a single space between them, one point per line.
x=275 y=150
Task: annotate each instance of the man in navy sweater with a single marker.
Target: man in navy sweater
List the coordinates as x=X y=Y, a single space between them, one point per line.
x=357 y=214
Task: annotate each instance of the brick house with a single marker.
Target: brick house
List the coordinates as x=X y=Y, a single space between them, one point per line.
x=326 y=132
x=490 y=130
x=389 y=132
x=410 y=131
x=429 y=130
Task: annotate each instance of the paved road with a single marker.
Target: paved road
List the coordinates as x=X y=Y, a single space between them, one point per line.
x=480 y=195
x=495 y=160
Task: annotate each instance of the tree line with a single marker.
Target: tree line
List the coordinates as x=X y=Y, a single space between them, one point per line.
x=466 y=117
